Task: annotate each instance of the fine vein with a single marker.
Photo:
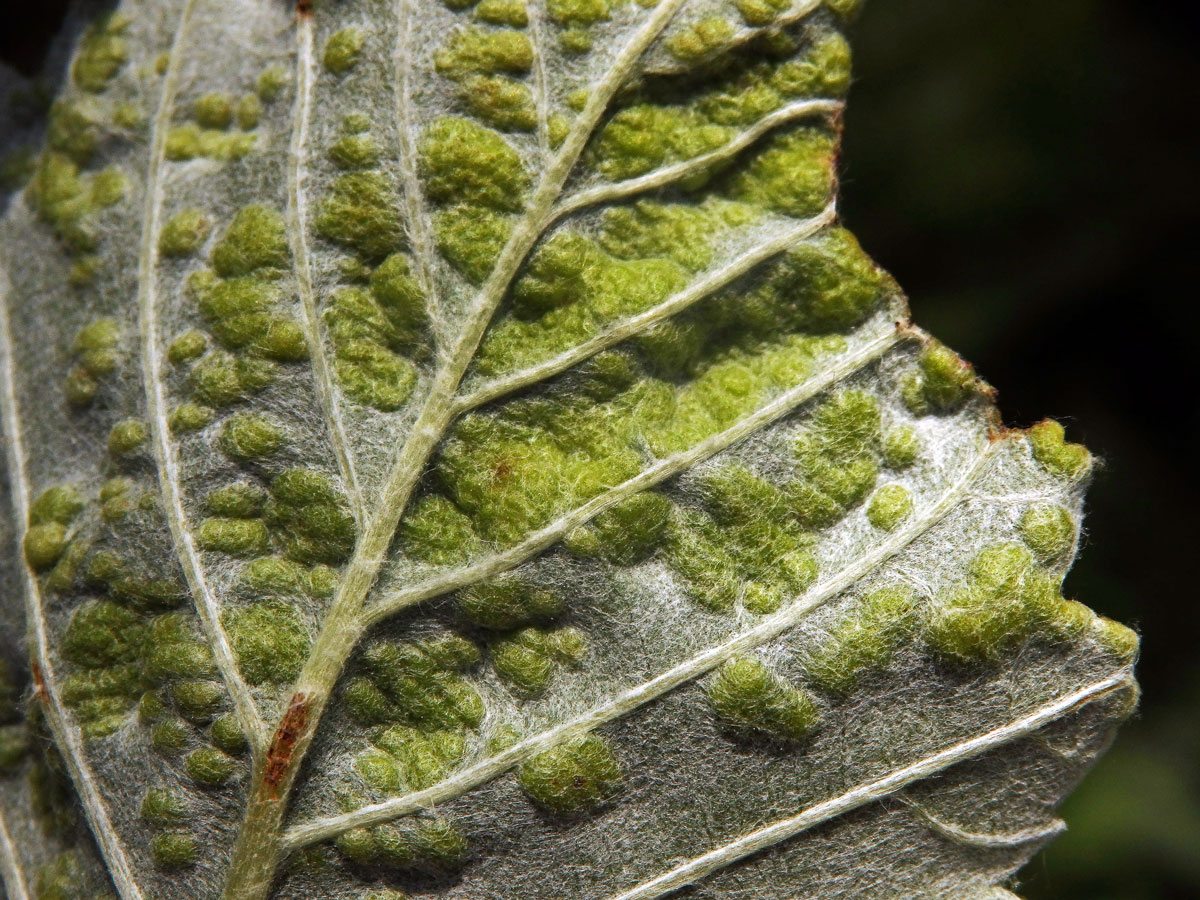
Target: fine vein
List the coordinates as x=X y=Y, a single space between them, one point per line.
x=327 y=393
x=66 y=736
x=868 y=792
x=768 y=629
x=634 y=325
x=155 y=386
x=537 y=38
x=985 y=839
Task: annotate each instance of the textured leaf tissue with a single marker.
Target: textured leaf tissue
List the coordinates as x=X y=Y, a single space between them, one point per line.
x=455 y=451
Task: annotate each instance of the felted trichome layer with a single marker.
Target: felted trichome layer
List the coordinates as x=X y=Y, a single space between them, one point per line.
x=456 y=452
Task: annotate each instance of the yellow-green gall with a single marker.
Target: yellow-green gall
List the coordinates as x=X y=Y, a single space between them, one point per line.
x=575 y=776
x=792 y=175
x=354 y=151
x=485 y=51
x=1007 y=600
x=942 y=383
x=220 y=379
x=256 y=239
x=209 y=766
x=360 y=213
x=43 y=545
x=889 y=506
x=1048 y=530
x=127 y=437
x=184 y=233
x=174 y=849
x=95 y=346
x=628 y=533
x=236 y=537
x=342 y=51
x=419 y=684
x=466 y=163
x=697 y=41
x=863 y=640
x=188 y=346
x=108 y=188
x=273 y=575
x=163 y=808
x=270 y=640
x=578 y=12
x=528 y=659
x=189 y=417
x=1116 y=639
x=761 y=12
x=214 y=110
x=248 y=111
x=750 y=698
x=901 y=447
x=1065 y=460
x=102 y=53
x=503 y=12
x=249 y=436
x=271 y=81
x=501 y=101
x=508 y=603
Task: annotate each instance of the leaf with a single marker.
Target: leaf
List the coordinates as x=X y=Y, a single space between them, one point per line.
x=457 y=450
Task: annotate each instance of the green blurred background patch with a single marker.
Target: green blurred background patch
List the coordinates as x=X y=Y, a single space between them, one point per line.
x=1029 y=172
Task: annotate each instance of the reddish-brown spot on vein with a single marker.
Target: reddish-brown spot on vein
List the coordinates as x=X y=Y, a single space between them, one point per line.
x=283 y=745
x=39 y=683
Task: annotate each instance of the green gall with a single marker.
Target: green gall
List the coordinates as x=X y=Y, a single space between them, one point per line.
x=503 y=12
x=271 y=81
x=863 y=641
x=214 y=111
x=197 y=701
x=1059 y=458
x=485 y=51
x=695 y=42
x=169 y=737
x=342 y=51
x=127 y=437
x=465 y=163
x=270 y=641
x=508 y=603
x=243 y=538
x=189 y=417
x=188 y=346
x=1116 y=639
x=573 y=777
x=942 y=383
x=209 y=766
x=227 y=735
x=221 y=379
x=255 y=239
x=889 y=506
x=102 y=53
x=792 y=175
x=628 y=533
x=60 y=504
x=310 y=517
x=418 y=684
x=248 y=111
x=901 y=447
x=274 y=575
x=163 y=808
x=249 y=436
x=354 y=151
x=184 y=233
x=360 y=213
x=748 y=697
x=174 y=849
x=240 y=500
x=528 y=659
x=1048 y=530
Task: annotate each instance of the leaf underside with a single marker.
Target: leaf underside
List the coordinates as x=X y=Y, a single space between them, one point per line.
x=455 y=451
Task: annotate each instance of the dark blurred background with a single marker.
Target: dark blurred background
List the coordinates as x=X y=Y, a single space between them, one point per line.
x=1028 y=171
